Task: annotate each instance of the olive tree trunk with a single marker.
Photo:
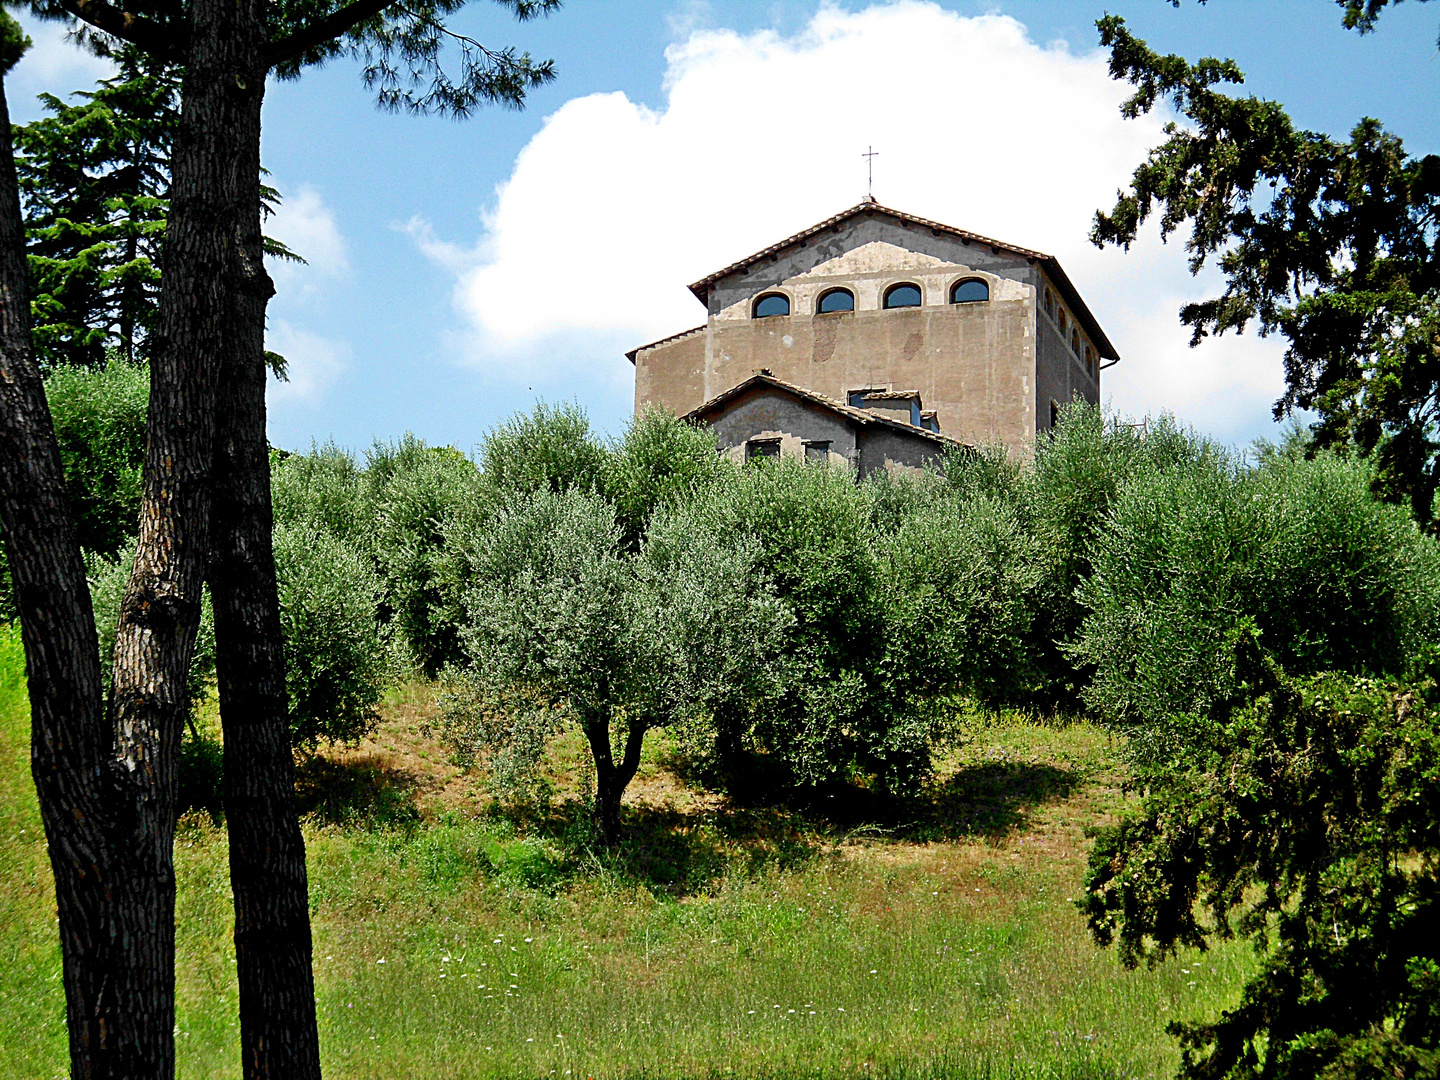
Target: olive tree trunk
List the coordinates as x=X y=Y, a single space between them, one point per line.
x=612 y=777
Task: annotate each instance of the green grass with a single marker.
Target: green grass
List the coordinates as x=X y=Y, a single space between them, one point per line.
x=933 y=939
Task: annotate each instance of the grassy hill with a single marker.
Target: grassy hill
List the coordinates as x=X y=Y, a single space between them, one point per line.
x=457 y=938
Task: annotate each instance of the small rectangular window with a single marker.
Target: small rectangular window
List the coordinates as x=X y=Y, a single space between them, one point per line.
x=817 y=451
x=762 y=448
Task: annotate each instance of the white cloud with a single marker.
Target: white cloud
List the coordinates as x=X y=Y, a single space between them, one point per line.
x=613 y=208
x=315 y=362
x=306 y=225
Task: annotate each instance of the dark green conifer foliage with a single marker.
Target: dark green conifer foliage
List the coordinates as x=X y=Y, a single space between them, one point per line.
x=1330 y=242
x=94 y=183
x=94 y=175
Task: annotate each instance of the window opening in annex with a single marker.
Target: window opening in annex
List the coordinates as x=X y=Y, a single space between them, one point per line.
x=772 y=304
x=903 y=295
x=817 y=450
x=969 y=292
x=835 y=300
x=762 y=448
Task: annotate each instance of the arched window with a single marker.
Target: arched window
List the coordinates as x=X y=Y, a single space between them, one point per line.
x=772 y=304
x=1075 y=341
x=904 y=295
x=969 y=292
x=835 y=300
x=1049 y=303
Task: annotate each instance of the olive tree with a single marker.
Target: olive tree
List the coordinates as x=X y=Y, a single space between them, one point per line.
x=567 y=628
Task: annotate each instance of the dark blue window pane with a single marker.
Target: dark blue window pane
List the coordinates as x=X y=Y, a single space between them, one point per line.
x=969 y=292
x=903 y=296
x=836 y=300
x=771 y=305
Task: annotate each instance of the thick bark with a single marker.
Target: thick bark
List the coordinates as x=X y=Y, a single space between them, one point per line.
x=71 y=745
x=612 y=778
x=278 y=1035
x=161 y=608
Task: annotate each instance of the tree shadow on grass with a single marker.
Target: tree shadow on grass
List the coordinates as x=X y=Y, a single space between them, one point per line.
x=356 y=794
x=678 y=852
x=980 y=800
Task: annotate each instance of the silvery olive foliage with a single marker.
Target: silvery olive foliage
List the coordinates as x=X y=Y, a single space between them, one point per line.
x=567 y=628
x=1295 y=555
x=336 y=666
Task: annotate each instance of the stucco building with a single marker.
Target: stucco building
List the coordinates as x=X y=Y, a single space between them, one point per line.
x=938 y=329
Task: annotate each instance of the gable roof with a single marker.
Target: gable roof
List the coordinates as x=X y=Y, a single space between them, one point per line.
x=1062 y=282
x=862 y=417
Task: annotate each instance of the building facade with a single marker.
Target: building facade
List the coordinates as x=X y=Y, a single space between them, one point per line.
x=954 y=333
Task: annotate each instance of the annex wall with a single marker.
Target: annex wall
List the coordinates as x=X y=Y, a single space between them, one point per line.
x=766 y=414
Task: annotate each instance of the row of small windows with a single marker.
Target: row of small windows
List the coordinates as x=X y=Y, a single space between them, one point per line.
x=1078 y=345
x=902 y=295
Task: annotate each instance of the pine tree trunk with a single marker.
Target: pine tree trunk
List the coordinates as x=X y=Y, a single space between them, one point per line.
x=71 y=745
x=278 y=1035
x=213 y=173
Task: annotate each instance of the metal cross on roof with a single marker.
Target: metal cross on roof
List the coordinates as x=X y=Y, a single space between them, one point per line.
x=870 y=155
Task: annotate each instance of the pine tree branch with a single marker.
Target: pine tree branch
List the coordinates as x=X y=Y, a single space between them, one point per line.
x=144 y=33
x=322 y=30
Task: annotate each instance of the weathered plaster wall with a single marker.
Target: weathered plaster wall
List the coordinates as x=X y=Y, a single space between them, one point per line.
x=1061 y=376
x=767 y=414
x=988 y=370
x=853 y=234
x=672 y=375
x=973 y=364
x=885 y=448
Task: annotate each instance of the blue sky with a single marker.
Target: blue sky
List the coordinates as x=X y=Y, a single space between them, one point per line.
x=460 y=270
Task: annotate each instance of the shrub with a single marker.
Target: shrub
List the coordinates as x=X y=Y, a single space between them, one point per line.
x=566 y=627
x=412 y=489
x=335 y=663
x=1081 y=466
x=810 y=526
x=659 y=462
x=99 y=415
x=957 y=582
x=1207 y=560
x=548 y=449
x=323 y=489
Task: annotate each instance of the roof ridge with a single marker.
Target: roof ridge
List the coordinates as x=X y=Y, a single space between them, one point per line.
x=866 y=206
x=862 y=416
